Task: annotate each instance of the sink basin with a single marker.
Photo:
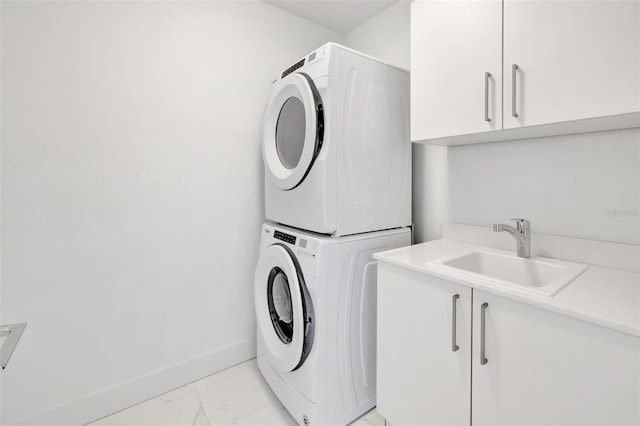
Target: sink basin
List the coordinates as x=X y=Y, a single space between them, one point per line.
x=538 y=275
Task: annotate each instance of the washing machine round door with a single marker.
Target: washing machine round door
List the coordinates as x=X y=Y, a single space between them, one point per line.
x=293 y=131
x=283 y=308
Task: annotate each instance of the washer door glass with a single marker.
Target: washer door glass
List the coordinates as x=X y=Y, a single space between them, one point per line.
x=284 y=311
x=293 y=131
x=290 y=132
x=280 y=307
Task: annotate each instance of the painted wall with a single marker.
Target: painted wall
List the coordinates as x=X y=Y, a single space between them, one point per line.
x=584 y=186
x=385 y=36
x=132 y=194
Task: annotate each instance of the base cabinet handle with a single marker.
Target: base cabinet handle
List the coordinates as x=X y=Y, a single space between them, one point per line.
x=454 y=345
x=483 y=354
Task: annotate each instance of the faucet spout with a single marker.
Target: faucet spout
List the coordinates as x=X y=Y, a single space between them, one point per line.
x=521 y=233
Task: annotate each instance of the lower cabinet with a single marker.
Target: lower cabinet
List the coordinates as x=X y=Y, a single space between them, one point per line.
x=424 y=349
x=515 y=364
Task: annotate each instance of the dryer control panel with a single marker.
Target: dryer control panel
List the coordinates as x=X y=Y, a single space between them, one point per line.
x=307 y=62
x=293 y=67
x=317 y=56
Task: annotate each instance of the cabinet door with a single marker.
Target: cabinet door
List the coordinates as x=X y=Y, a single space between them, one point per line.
x=421 y=379
x=453 y=45
x=548 y=369
x=576 y=59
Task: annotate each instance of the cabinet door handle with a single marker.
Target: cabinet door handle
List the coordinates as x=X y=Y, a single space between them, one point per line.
x=514 y=72
x=483 y=358
x=487 y=75
x=454 y=346
x=12 y=332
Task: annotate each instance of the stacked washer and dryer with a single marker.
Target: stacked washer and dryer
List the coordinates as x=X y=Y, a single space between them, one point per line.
x=337 y=162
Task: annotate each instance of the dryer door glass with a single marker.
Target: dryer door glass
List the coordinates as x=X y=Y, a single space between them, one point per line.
x=290 y=132
x=293 y=131
x=280 y=307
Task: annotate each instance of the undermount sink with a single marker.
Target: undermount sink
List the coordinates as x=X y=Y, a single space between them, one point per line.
x=536 y=274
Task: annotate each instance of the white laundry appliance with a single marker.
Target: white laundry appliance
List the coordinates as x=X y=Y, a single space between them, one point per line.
x=336 y=144
x=315 y=302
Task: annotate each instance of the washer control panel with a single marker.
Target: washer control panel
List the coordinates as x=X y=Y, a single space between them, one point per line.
x=285 y=237
x=306 y=248
x=303 y=247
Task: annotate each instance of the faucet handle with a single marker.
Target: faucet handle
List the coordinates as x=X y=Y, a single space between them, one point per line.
x=521 y=224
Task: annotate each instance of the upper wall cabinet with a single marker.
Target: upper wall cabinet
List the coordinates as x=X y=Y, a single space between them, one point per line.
x=567 y=60
x=481 y=66
x=456 y=67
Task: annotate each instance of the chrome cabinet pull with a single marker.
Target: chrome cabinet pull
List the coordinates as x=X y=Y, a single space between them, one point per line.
x=487 y=75
x=483 y=358
x=454 y=346
x=514 y=71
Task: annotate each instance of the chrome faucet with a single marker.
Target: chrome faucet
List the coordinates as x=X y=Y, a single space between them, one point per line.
x=521 y=233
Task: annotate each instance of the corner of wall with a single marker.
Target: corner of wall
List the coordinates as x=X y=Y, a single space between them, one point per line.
x=385 y=36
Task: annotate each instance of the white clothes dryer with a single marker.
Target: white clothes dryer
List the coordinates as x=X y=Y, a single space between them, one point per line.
x=315 y=303
x=336 y=144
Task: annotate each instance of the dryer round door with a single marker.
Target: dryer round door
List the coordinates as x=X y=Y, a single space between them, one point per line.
x=283 y=308
x=293 y=131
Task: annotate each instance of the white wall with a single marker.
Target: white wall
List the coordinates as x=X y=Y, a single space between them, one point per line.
x=132 y=194
x=385 y=36
x=584 y=186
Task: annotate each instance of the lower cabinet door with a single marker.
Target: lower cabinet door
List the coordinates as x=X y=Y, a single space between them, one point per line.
x=424 y=349
x=547 y=369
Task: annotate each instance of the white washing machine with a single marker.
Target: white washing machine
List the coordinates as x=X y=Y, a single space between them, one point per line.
x=315 y=302
x=336 y=144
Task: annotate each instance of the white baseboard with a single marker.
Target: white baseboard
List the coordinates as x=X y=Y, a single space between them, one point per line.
x=131 y=392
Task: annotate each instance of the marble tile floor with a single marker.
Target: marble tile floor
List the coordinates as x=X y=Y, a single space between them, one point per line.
x=235 y=396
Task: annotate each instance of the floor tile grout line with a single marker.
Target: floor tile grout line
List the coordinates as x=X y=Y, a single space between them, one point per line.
x=204 y=411
x=271 y=404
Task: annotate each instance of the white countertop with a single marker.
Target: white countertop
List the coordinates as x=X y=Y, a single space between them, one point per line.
x=604 y=296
